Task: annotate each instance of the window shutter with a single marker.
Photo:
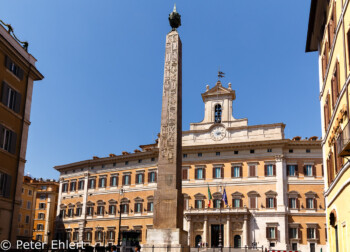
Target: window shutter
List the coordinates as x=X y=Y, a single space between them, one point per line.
x=296 y=171
x=8 y=62
x=96 y=235
x=110 y=209
x=4 y=93
x=315 y=203
x=148 y=206
x=322 y=170
x=288 y=174
x=290 y=203
x=184 y=174
x=195 y=204
x=143 y=178
x=314 y=170
x=1 y=134
x=214 y=172
x=155 y=176
x=274 y=170
x=127 y=208
x=275 y=202
x=267 y=233
x=324 y=66
x=334 y=91
x=308 y=232
x=7 y=193
x=204 y=173
x=337 y=76
x=117 y=180
x=196 y=173
x=276 y=232
x=135 y=207
x=240 y=203
x=222 y=172
x=20 y=73
x=267 y=203
x=141 y=207
x=89 y=184
x=265 y=168
x=240 y=172
x=335 y=16
x=304 y=169
x=149 y=177
x=13 y=142
x=123 y=179
x=330 y=32
x=232 y=172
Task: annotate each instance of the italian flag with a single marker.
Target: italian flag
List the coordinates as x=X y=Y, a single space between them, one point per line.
x=209 y=197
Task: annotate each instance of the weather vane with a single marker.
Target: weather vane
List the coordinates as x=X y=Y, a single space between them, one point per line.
x=220 y=74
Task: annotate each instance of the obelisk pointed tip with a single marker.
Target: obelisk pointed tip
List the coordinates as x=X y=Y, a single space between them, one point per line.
x=174 y=19
x=174 y=10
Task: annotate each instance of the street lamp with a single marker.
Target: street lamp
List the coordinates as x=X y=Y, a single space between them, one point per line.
x=121 y=192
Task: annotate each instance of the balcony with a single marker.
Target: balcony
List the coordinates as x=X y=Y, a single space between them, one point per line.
x=343 y=142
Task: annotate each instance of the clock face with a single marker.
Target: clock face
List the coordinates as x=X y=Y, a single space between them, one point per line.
x=218 y=133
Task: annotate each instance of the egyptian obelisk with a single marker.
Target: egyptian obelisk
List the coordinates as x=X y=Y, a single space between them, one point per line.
x=168 y=199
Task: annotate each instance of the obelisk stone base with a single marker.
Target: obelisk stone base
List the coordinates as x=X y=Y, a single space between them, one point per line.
x=170 y=240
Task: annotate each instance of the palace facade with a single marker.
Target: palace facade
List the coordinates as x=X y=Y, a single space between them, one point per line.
x=273 y=185
x=329 y=34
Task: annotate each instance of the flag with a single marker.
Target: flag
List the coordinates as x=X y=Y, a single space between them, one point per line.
x=224 y=197
x=209 y=196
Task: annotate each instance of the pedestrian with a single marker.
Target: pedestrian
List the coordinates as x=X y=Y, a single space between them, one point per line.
x=137 y=248
x=114 y=248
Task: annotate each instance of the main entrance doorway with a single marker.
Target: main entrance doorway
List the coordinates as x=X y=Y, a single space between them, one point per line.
x=215 y=231
x=237 y=241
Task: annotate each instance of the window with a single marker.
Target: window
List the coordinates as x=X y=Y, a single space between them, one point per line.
x=5 y=185
x=102 y=182
x=184 y=173
x=290 y=150
x=78 y=211
x=114 y=164
x=14 y=68
x=152 y=177
x=271 y=233
x=308 y=170
x=269 y=150
x=110 y=235
x=293 y=233
x=126 y=179
x=114 y=181
x=139 y=178
x=98 y=235
x=294 y=246
x=150 y=207
x=293 y=203
x=87 y=235
x=126 y=162
x=236 y=152
x=184 y=155
x=39 y=238
x=252 y=151
x=236 y=171
x=30 y=192
x=43 y=187
x=42 y=196
x=138 y=207
x=8 y=140
x=125 y=208
x=100 y=210
x=103 y=166
x=41 y=216
x=153 y=159
x=70 y=212
x=253 y=202
x=199 y=154
x=292 y=170
x=252 y=172
x=217 y=154
x=199 y=204
x=27 y=219
x=311 y=233
x=270 y=202
x=75 y=235
x=310 y=203
x=81 y=185
x=41 y=205
x=40 y=227
x=218 y=112
x=140 y=161
x=89 y=211
x=199 y=173
x=237 y=203
x=92 y=183
x=270 y=170
x=308 y=151
x=217 y=203
x=62 y=213
x=29 y=204
x=65 y=187
x=218 y=172
x=112 y=209
x=72 y=186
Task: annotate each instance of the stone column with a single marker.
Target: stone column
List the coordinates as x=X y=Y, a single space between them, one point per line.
x=281 y=185
x=47 y=218
x=83 y=212
x=205 y=230
x=227 y=231
x=189 y=231
x=59 y=197
x=245 y=232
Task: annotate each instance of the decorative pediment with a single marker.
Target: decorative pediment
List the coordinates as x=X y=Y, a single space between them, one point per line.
x=217 y=195
x=90 y=203
x=271 y=193
x=310 y=194
x=237 y=195
x=112 y=201
x=199 y=196
x=125 y=201
x=293 y=194
x=219 y=90
x=253 y=194
x=100 y=202
x=138 y=200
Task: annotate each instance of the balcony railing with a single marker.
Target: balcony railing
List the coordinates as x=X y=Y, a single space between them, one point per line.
x=343 y=142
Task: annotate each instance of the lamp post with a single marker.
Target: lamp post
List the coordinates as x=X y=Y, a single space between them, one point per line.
x=121 y=192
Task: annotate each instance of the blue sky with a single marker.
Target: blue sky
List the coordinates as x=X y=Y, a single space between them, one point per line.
x=103 y=67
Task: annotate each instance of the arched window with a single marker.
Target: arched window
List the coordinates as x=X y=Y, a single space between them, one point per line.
x=218 y=113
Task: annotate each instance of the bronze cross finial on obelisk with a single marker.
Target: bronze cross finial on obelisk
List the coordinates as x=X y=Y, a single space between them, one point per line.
x=168 y=199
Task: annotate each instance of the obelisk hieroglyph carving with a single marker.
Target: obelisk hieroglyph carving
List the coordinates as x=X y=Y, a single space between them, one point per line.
x=168 y=208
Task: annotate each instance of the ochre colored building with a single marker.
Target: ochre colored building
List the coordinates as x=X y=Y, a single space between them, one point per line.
x=274 y=186
x=329 y=34
x=17 y=76
x=37 y=216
